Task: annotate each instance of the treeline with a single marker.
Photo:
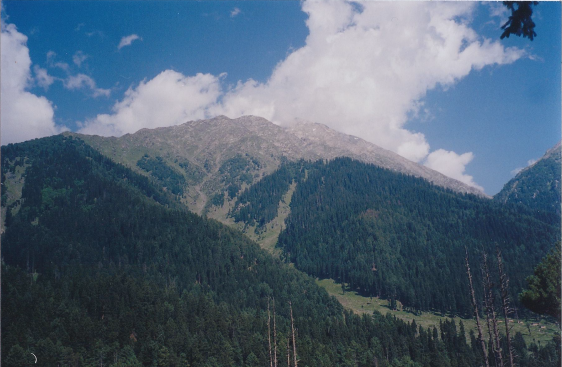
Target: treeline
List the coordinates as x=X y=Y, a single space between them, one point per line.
x=396 y=236
x=100 y=267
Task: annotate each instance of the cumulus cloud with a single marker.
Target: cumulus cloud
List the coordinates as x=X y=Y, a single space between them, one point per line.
x=169 y=99
x=364 y=70
x=451 y=164
x=24 y=115
x=127 y=40
x=79 y=81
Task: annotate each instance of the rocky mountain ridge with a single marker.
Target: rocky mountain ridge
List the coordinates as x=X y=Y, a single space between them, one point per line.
x=205 y=146
x=336 y=144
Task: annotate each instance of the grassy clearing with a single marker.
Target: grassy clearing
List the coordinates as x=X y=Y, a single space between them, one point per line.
x=532 y=330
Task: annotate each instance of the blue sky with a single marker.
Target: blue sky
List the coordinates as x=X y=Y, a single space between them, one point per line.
x=430 y=81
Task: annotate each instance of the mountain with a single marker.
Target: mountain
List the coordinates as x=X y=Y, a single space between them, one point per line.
x=248 y=173
x=100 y=267
x=537 y=186
x=391 y=235
x=104 y=265
x=333 y=144
x=223 y=155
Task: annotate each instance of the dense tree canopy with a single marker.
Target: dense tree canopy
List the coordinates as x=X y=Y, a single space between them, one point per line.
x=395 y=236
x=103 y=267
x=543 y=293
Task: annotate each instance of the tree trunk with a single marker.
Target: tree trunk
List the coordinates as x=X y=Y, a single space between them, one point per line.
x=490 y=311
x=288 y=352
x=293 y=331
x=274 y=337
x=504 y=283
x=269 y=333
x=475 y=306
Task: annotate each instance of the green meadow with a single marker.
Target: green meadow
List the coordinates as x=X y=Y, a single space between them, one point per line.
x=533 y=330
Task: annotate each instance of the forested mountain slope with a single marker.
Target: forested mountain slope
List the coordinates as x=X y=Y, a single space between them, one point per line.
x=101 y=267
x=537 y=186
x=395 y=236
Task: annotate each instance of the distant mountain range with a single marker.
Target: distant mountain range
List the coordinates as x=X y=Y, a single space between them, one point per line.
x=537 y=186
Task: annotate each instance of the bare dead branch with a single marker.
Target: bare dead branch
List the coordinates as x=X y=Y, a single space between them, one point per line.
x=475 y=306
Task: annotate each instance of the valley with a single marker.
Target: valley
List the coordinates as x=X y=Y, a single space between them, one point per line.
x=280 y=183
x=532 y=329
x=200 y=241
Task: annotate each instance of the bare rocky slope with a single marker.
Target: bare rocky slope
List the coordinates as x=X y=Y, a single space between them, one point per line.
x=221 y=153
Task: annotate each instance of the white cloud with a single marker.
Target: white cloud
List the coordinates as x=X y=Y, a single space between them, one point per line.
x=79 y=57
x=71 y=82
x=235 y=12
x=79 y=81
x=364 y=69
x=43 y=78
x=24 y=115
x=126 y=41
x=169 y=99
x=451 y=164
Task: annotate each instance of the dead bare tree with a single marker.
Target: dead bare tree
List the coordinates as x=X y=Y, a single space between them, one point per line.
x=293 y=333
x=288 y=352
x=475 y=306
x=504 y=283
x=274 y=337
x=269 y=333
x=490 y=311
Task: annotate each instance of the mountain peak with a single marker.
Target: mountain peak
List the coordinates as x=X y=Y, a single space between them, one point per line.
x=538 y=185
x=209 y=146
